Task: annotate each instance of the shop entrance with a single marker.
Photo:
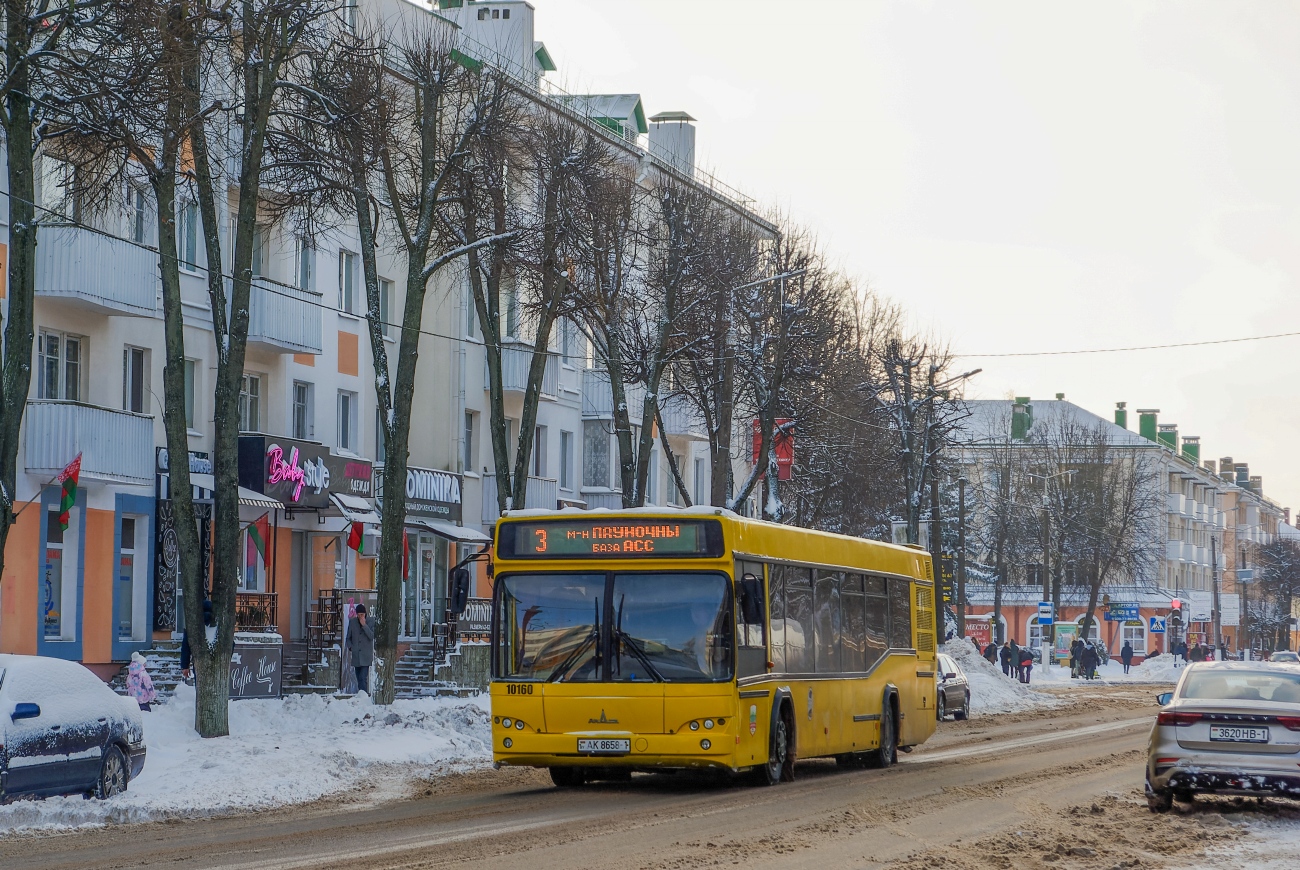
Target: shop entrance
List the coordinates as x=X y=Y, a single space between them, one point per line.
x=424 y=589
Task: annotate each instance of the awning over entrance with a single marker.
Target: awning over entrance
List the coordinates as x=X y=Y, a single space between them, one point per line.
x=354 y=508
x=451 y=531
x=247 y=497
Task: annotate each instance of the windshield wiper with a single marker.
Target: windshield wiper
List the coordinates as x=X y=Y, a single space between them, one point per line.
x=574 y=656
x=624 y=638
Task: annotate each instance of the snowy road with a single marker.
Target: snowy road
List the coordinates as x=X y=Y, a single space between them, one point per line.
x=1057 y=787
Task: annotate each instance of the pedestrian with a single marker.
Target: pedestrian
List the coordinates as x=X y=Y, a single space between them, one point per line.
x=361 y=645
x=1089 y=660
x=186 y=655
x=1076 y=658
x=1004 y=656
x=991 y=652
x=1197 y=654
x=139 y=684
x=976 y=641
x=1015 y=659
x=1126 y=655
x=1026 y=663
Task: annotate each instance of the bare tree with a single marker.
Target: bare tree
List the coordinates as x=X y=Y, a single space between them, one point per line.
x=1269 y=610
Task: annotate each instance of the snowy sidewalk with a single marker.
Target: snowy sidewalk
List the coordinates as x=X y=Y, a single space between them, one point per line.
x=279 y=752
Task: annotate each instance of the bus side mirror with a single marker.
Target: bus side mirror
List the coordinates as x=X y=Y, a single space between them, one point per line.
x=751 y=599
x=459 y=590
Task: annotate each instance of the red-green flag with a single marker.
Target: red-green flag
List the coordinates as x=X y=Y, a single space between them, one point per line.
x=69 y=477
x=356 y=537
x=259 y=533
x=406 y=555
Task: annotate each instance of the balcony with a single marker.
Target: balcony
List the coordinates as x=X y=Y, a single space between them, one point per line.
x=543 y=493
x=96 y=272
x=1173 y=550
x=598 y=397
x=1175 y=502
x=683 y=419
x=516 y=359
x=284 y=319
x=115 y=446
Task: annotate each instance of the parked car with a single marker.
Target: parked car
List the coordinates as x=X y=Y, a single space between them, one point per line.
x=1227 y=728
x=1283 y=656
x=64 y=731
x=952 y=692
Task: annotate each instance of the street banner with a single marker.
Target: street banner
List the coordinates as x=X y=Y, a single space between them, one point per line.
x=1065 y=633
x=981 y=630
x=1202 y=605
x=1122 y=612
x=1230 y=604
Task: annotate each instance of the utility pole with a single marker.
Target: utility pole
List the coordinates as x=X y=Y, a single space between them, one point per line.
x=961 y=558
x=1218 y=613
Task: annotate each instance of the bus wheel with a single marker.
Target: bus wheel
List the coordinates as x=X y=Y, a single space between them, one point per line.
x=568 y=777
x=887 y=753
x=778 y=754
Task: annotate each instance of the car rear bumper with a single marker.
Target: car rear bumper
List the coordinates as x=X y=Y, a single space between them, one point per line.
x=135 y=759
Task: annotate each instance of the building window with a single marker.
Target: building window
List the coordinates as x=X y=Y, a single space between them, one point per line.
x=511 y=306
x=191 y=372
x=484 y=14
x=595 y=454
x=471 y=313
x=253 y=576
x=58 y=597
x=138 y=214
x=567 y=329
x=188 y=237
x=260 y=239
x=381 y=446
x=701 y=482
x=350 y=15
x=58 y=192
x=386 y=308
x=250 y=403
x=59 y=363
x=566 y=460
x=539 y=451
x=304 y=418
x=348 y=282
x=347 y=421
x=468 y=457
x=135 y=379
x=505 y=14
x=304 y=263
x=652 y=477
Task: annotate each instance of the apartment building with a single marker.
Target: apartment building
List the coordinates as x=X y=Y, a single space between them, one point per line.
x=1206 y=525
x=107 y=585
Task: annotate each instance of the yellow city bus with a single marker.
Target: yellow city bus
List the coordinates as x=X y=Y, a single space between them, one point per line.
x=656 y=640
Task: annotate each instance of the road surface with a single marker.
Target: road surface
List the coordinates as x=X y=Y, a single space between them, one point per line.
x=1056 y=789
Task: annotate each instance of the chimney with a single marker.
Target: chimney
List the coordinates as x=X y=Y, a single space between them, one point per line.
x=1022 y=417
x=1225 y=466
x=1242 y=470
x=1256 y=485
x=1121 y=415
x=1167 y=435
x=1192 y=449
x=1286 y=516
x=672 y=140
x=1060 y=397
x=1147 y=423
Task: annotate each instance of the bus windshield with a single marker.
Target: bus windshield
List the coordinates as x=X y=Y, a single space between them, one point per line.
x=620 y=627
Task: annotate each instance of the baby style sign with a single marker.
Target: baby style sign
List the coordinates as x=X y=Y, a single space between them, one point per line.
x=294 y=473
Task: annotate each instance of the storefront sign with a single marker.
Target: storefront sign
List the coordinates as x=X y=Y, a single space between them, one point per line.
x=1230 y=606
x=981 y=630
x=295 y=473
x=1202 y=605
x=1121 y=612
x=199 y=462
x=429 y=493
x=255 y=670
x=351 y=476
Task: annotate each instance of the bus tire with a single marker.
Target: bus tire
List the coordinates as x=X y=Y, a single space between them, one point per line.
x=568 y=777
x=780 y=758
x=886 y=753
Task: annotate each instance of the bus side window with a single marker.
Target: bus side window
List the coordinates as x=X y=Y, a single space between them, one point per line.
x=854 y=634
x=900 y=613
x=751 y=620
x=776 y=613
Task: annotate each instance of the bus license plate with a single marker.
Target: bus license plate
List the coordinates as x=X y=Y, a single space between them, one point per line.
x=1239 y=735
x=604 y=747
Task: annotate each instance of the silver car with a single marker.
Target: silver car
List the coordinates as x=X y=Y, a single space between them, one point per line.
x=1227 y=728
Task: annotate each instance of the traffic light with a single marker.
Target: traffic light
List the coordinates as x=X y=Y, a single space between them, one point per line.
x=1176 y=605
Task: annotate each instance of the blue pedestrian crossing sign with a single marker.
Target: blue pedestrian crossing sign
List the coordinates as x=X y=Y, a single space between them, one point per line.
x=1157 y=625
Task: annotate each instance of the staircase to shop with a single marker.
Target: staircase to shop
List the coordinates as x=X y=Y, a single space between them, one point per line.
x=163 y=662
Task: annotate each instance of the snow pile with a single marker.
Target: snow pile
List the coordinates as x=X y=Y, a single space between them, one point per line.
x=1157 y=669
x=279 y=752
x=992 y=691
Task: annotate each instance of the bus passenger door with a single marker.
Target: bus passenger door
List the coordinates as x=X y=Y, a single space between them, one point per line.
x=751 y=620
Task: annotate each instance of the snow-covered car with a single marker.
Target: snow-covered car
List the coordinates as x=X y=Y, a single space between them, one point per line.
x=64 y=731
x=1283 y=656
x=1227 y=728
x=952 y=692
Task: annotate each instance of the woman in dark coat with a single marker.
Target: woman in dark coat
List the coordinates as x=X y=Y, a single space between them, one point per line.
x=1126 y=655
x=1026 y=663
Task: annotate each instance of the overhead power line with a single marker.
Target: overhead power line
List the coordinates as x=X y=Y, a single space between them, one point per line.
x=1133 y=348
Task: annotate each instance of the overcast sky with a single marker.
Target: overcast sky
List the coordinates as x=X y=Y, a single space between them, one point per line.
x=1021 y=176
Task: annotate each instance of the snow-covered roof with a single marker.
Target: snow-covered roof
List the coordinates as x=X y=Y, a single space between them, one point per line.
x=990 y=420
x=1013 y=595
x=623 y=108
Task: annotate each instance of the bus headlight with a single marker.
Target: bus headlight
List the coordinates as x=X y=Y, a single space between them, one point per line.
x=506 y=723
x=708 y=724
x=519 y=725
x=695 y=726
x=705 y=744
x=507 y=743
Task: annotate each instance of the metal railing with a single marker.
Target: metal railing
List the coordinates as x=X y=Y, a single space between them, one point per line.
x=516 y=359
x=543 y=492
x=256 y=611
x=284 y=318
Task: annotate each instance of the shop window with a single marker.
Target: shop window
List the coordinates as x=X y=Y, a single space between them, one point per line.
x=58 y=598
x=252 y=577
x=131 y=584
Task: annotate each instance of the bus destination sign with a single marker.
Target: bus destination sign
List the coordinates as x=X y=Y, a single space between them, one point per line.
x=620 y=538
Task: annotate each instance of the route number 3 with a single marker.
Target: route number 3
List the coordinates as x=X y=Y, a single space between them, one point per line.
x=541 y=540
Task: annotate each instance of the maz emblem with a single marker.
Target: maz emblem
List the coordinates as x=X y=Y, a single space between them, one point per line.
x=602 y=720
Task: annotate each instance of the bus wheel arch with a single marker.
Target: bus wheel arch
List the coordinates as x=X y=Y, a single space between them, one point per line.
x=782 y=724
x=886 y=753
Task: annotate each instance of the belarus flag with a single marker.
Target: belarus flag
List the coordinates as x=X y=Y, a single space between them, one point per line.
x=69 y=477
x=259 y=533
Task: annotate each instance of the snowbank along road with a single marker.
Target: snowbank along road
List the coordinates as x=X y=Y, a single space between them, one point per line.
x=1054 y=788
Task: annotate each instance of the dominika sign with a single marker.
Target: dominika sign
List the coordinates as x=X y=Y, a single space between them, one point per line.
x=429 y=493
